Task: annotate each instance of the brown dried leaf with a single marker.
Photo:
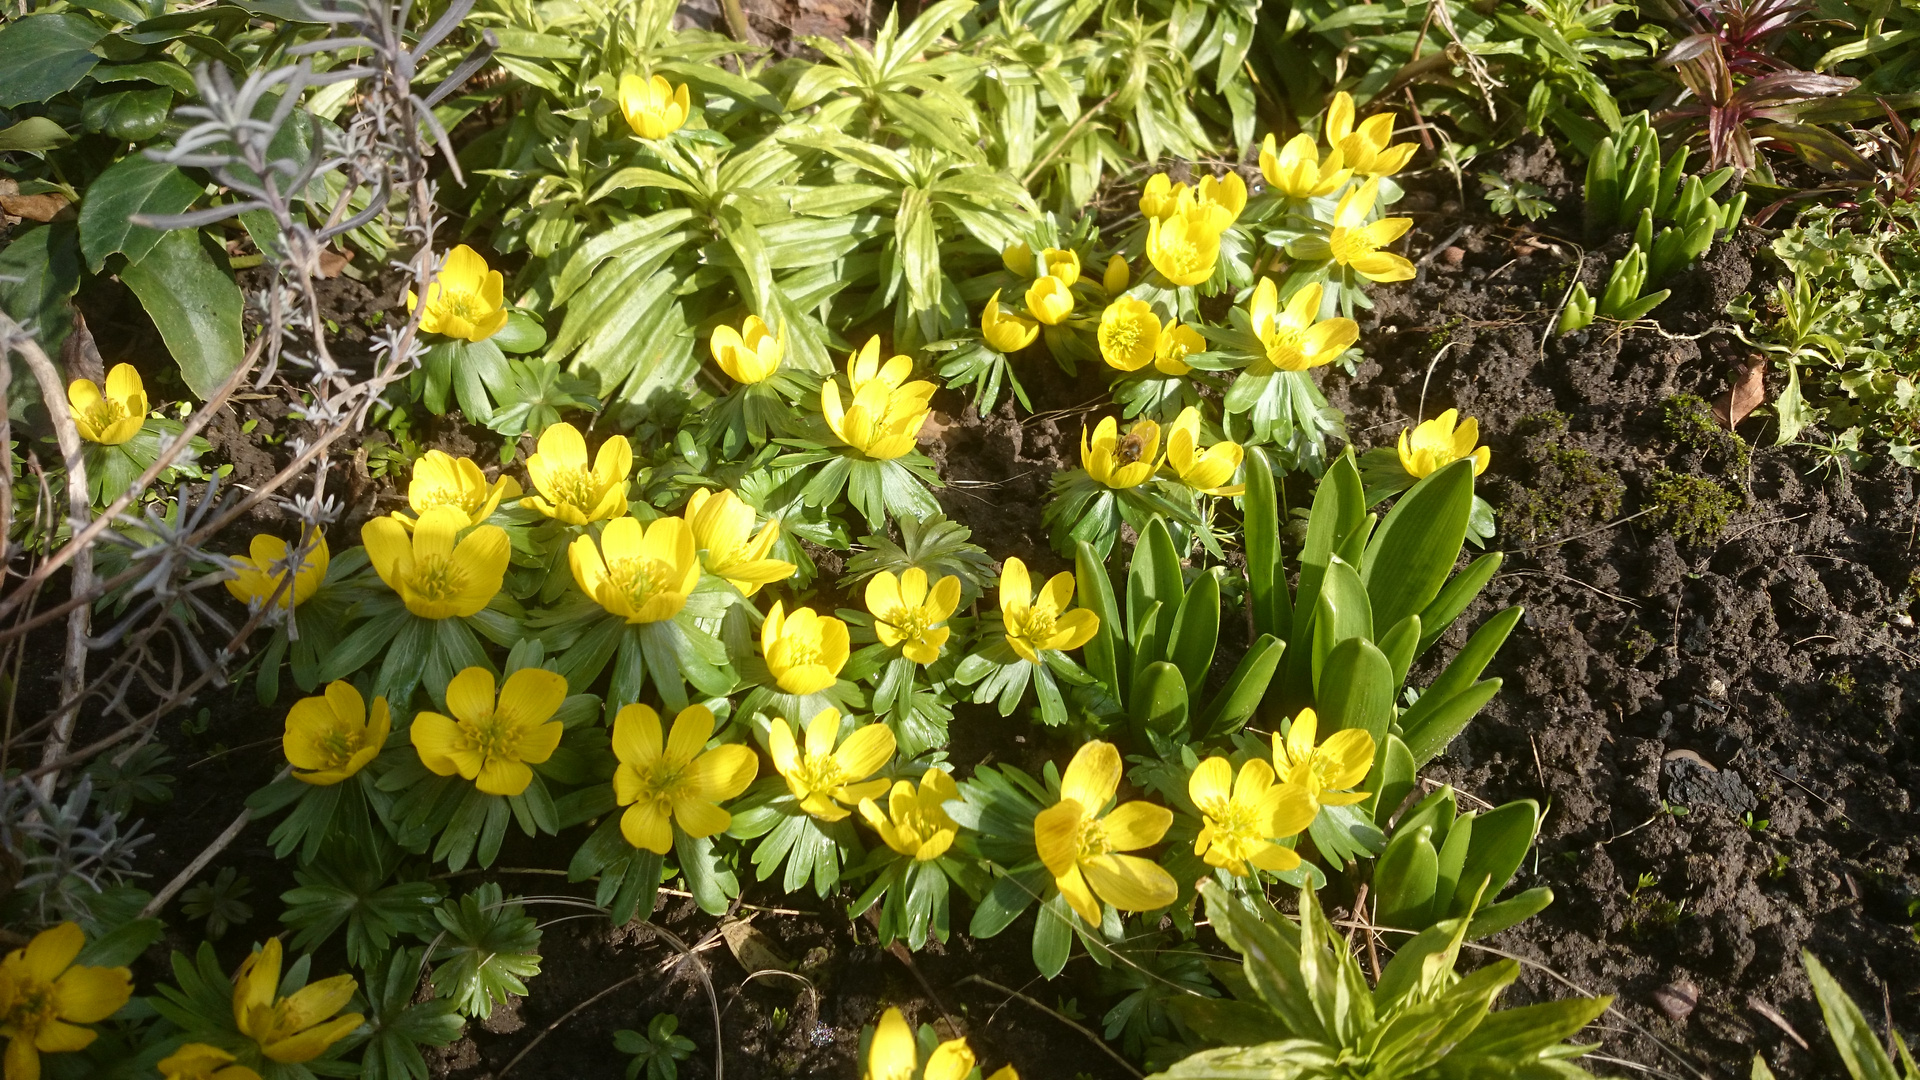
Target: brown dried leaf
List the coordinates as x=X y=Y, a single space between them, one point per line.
x=1749 y=392
x=754 y=950
x=332 y=262
x=51 y=206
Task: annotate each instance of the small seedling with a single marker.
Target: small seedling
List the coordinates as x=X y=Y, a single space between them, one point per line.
x=219 y=902
x=659 y=1052
x=1753 y=824
x=1508 y=197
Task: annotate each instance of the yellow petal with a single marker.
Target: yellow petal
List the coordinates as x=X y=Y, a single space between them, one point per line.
x=892 y=1055
x=1092 y=776
x=646 y=828
x=951 y=1060
x=1056 y=832
x=691 y=730
x=1073 y=886
x=636 y=736
x=1135 y=825
x=470 y=694
x=1211 y=784
x=438 y=741
x=865 y=751
x=52 y=950
x=531 y=696
x=1130 y=883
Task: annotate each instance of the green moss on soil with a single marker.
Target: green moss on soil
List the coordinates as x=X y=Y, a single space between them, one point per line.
x=1694 y=508
x=1561 y=483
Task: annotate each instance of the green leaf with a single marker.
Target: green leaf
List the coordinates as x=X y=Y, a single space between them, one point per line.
x=39 y=273
x=133 y=185
x=1516 y=909
x=1159 y=702
x=1356 y=689
x=1107 y=653
x=1404 y=879
x=1196 y=632
x=1853 y=1037
x=1414 y=549
x=129 y=115
x=196 y=307
x=45 y=55
x=1430 y=732
x=1234 y=705
x=1342 y=613
x=122 y=945
x=1053 y=936
x=1390 y=779
x=1472 y=659
x=1522 y=1034
x=1501 y=838
x=487 y=949
x=1454 y=597
x=1266 y=577
x=34 y=134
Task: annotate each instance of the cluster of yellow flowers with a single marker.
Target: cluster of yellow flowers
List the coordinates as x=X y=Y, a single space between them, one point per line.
x=1365 y=154
x=894 y=1055
x=1185 y=223
x=1126 y=461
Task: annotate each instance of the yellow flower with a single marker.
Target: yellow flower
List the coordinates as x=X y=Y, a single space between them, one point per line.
x=677 y=780
x=640 y=573
x=1183 y=248
x=1121 y=462
x=436 y=577
x=1062 y=264
x=823 y=778
x=1160 y=197
x=1129 y=334
x=1365 y=150
x=906 y=613
x=722 y=527
x=1221 y=198
x=1239 y=816
x=804 y=651
x=329 y=738
x=1177 y=342
x=293 y=1029
x=1299 y=172
x=1005 y=331
x=1117 y=276
x=493 y=743
x=1035 y=624
x=45 y=997
x=1077 y=842
x=440 y=479
x=260 y=571
x=1357 y=242
x=1049 y=300
x=1438 y=443
x=198 y=1061
x=570 y=490
x=654 y=107
x=750 y=354
x=113 y=417
x=893 y=1054
x=887 y=411
x=1324 y=772
x=915 y=823
x=1018 y=258
x=465 y=299
x=1294 y=340
x=1206 y=471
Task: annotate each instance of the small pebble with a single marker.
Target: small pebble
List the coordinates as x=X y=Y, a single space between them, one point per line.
x=1677 y=999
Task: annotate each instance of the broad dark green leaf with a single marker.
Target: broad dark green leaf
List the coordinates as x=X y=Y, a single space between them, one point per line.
x=1414 y=549
x=1356 y=689
x=130 y=186
x=1159 y=702
x=196 y=307
x=1196 y=632
x=33 y=135
x=44 y=55
x=39 y=272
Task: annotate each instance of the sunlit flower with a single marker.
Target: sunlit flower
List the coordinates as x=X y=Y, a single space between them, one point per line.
x=293 y=1029
x=1221 y=198
x=490 y=742
x=675 y=780
x=1018 y=258
x=1121 y=461
x=1077 y=841
x=1295 y=336
x=435 y=576
x=198 y=1061
x=440 y=479
x=887 y=411
x=915 y=822
x=113 y=417
x=641 y=573
x=465 y=299
x=571 y=490
x=1355 y=242
x=45 y=997
x=893 y=1055
x=1324 y=772
x=750 y=354
x=1160 y=197
x=331 y=737
x=1117 y=275
x=1129 y=334
x=1239 y=817
x=804 y=651
x=1299 y=172
x=266 y=564
x=826 y=780
x=654 y=107
x=722 y=525
x=1035 y=624
x=1049 y=300
x=1177 y=342
x=1207 y=471
x=1063 y=264
x=908 y=614
x=1183 y=248
x=1365 y=150
x=1005 y=331
x=1438 y=443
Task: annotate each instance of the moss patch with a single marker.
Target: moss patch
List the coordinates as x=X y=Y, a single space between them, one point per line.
x=1695 y=508
x=1689 y=419
x=1558 y=483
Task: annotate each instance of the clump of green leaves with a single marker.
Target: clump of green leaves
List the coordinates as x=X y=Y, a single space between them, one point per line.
x=489 y=945
x=1509 y=197
x=657 y=1054
x=1695 y=508
x=220 y=902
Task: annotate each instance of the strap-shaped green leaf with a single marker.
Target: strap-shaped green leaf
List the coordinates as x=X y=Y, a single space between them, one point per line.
x=1196 y=632
x=1159 y=702
x=1399 y=644
x=1356 y=689
x=1414 y=549
x=1853 y=1037
x=1107 y=655
x=1437 y=726
x=1454 y=849
x=1499 y=844
x=1266 y=576
x=1454 y=597
x=1404 y=878
x=1516 y=909
x=1234 y=705
x=1342 y=613
x=1467 y=665
x=1391 y=778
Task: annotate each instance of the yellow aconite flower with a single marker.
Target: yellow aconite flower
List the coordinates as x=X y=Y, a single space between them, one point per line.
x=1018 y=258
x=465 y=299
x=1062 y=264
x=823 y=778
x=266 y=564
x=1323 y=772
x=1356 y=242
x=1049 y=300
x=654 y=107
x=434 y=575
x=1129 y=334
x=293 y=1029
x=331 y=737
x=676 y=779
x=750 y=354
x=1005 y=331
x=1160 y=197
x=1117 y=275
x=1365 y=149
x=1177 y=342
x=1183 y=248
x=198 y=1061
x=893 y=1055
x=1294 y=340
x=908 y=614
x=1077 y=842
x=887 y=411
x=1121 y=461
x=440 y=479
x=1221 y=198
x=1299 y=172
x=45 y=997
x=641 y=573
x=491 y=742
x=1035 y=624
x=1438 y=443
x=113 y=417
x=916 y=823
x=571 y=490
x=1239 y=816
x=1206 y=471
x=805 y=650
x=722 y=527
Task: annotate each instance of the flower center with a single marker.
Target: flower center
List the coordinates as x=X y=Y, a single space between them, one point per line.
x=339 y=745
x=801 y=653
x=34 y=1007
x=493 y=738
x=1092 y=841
x=437 y=578
x=640 y=578
x=1235 y=826
x=1283 y=348
x=1350 y=244
x=461 y=304
x=820 y=772
x=912 y=623
x=662 y=780
x=105 y=413
x=576 y=486
x=459 y=498
x=1122 y=337
x=1180 y=252
x=1034 y=625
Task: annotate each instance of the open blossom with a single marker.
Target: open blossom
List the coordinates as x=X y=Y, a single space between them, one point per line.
x=915 y=822
x=1356 y=242
x=676 y=780
x=1035 y=624
x=1241 y=816
x=1079 y=839
x=1121 y=461
x=1437 y=443
x=654 y=107
x=440 y=479
x=437 y=572
x=909 y=614
x=804 y=650
x=826 y=780
x=722 y=526
x=331 y=737
x=1183 y=247
x=259 y=572
x=113 y=416
x=887 y=411
x=465 y=299
x=45 y=998
x=750 y=354
x=293 y=1029
x=1365 y=149
x=1326 y=771
x=1294 y=336
x=570 y=489
x=642 y=573
x=493 y=742
x=1129 y=334
x=1299 y=172
x=1004 y=330
x=1207 y=471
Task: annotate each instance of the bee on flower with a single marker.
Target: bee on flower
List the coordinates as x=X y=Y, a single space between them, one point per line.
x=1438 y=442
x=1121 y=461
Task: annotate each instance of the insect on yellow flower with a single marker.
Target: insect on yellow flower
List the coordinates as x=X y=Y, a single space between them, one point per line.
x=440 y=479
x=804 y=650
x=1324 y=772
x=887 y=411
x=677 y=779
x=1121 y=461
x=569 y=489
x=654 y=107
x=1299 y=172
x=112 y=417
x=1035 y=624
x=465 y=299
x=641 y=573
x=199 y=1061
x=824 y=778
x=722 y=526
x=1063 y=264
x=45 y=997
x=1183 y=247
x=1241 y=816
x=437 y=577
x=1129 y=334
x=1365 y=149
x=489 y=742
x=915 y=822
x=1077 y=841
x=293 y=1029
x=909 y=614
x=750 y=354
x=1005 y=331
x=1357 y=243
x=266 y=563
x=1207 y=471
x=1438 y=443
x=330 y=737
x=1295 y=336
x=1049 y=300
x=1177 y=342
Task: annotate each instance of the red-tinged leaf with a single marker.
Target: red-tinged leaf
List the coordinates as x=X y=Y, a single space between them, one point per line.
x=1748 y=392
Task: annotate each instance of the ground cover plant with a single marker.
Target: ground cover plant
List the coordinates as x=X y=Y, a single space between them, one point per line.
x=957 y=540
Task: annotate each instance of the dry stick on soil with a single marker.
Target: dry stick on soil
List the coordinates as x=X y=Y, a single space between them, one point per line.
x=192 y=870
x=1609 y=526
x=1088 y=1032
